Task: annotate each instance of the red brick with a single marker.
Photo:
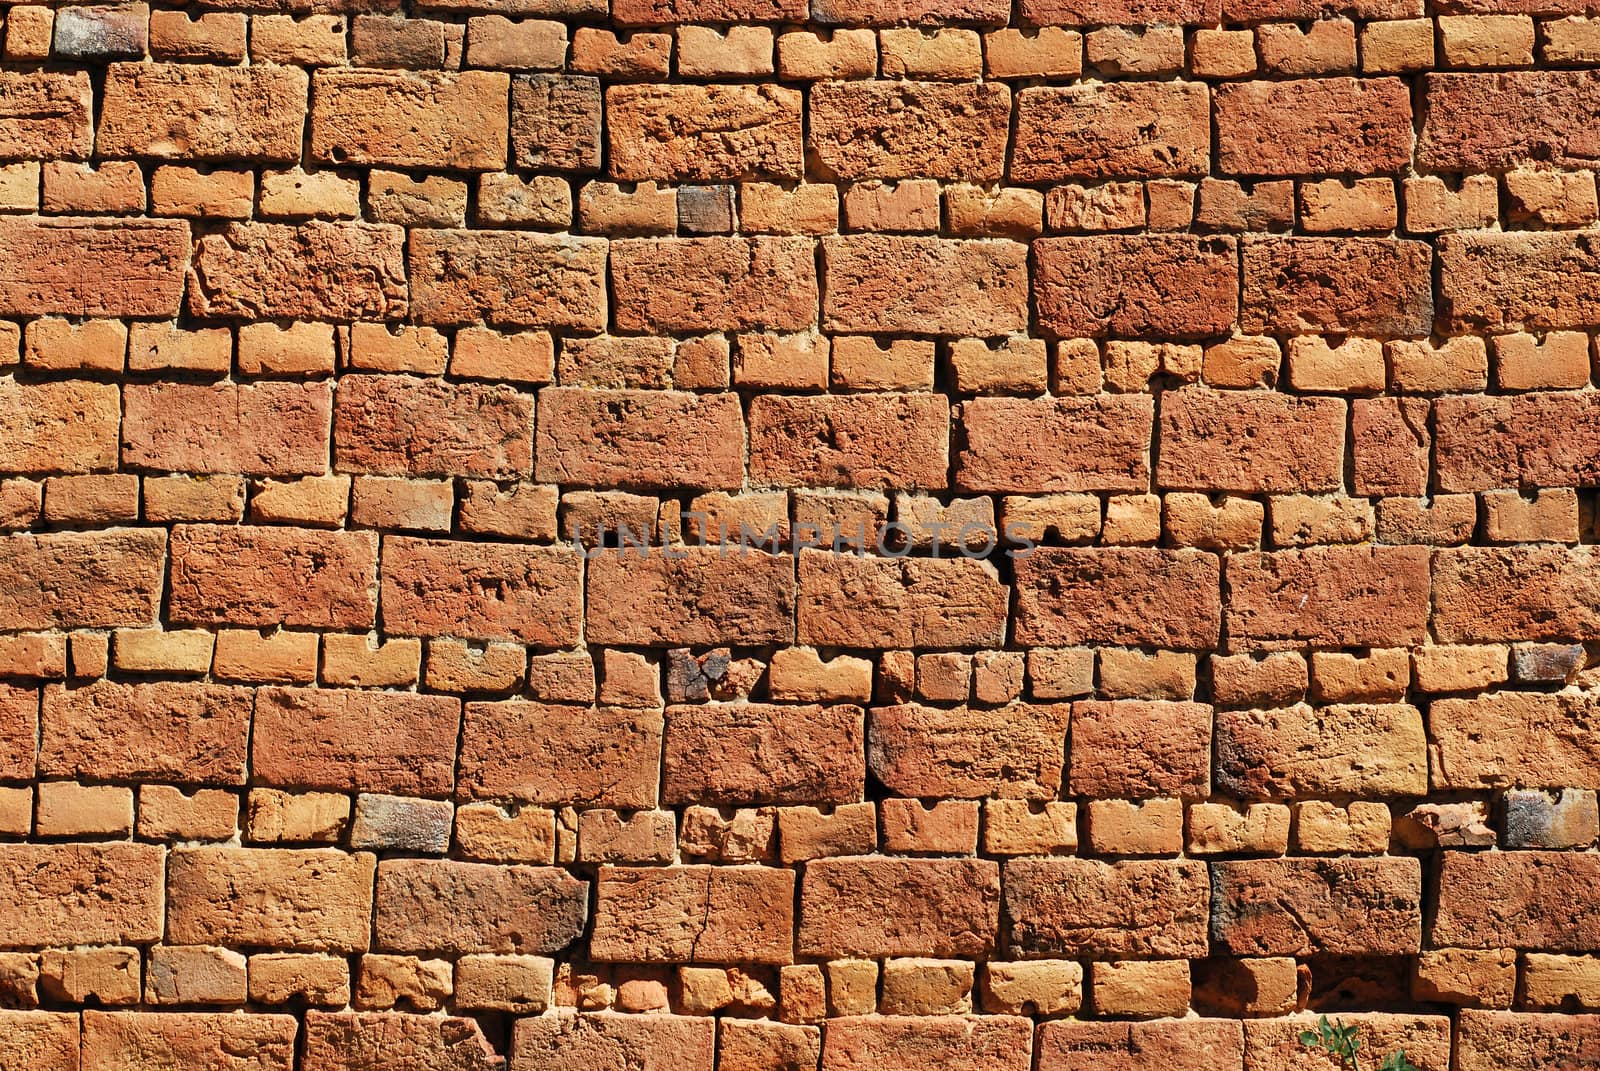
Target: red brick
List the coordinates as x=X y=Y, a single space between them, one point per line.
x=871 y=906
x=1329 y=597
x=355 y=741
x=1308 y=10
x=1250 y=441
x=189 y=734
x=1366 y=286
x=508 y=277
x=1010 y=752
x=1136 y=286
x=1076 y=907
x=1112 y=130
x=899 y=12
x=1121 y=12
x=893 y=130
x=19 y=731
x=1511 y=1041
x=1496 y=121
x=1492 y=282
x=46 y=116
x=561 y=755
x=928 y=286
x=1515 y=593
x=1514 y=738
x=860 y=440
x=58 y=427
x=640 y=438
x=555 y=121
x=46 y=1041
x=81 y=579
x=313 y=271
x=714 y=284
x=948 y=1042
x=123 y=1041
x=699 y=133
x=1543 y=901
x=697 y=596
x=1275 y=1043
x=1126 y=596
x=1170 y=1044
x=278 y=429
x=1138 y=750
x=1521 y=440
x=411 y=118
x=442 y=906
x=189 y=112
x=755 y=753
x=406 y=426
x=482 y=591
x=1392 y=446
x=610 y=1042
x=670 y=12
x=1363 y=750
x=272 y=576
x=1041 y=445
x=374 y=1041
x=852 y=601
x=91 y=267
x=71 y=894
x=315 y=900
x=1314 y=126
x=694 y=914
x=1301 y=907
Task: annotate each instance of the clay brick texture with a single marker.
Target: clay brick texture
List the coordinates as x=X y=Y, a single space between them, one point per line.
x=799 y=535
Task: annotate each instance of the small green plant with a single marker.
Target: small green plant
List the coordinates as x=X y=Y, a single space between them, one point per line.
x=1343 y=1043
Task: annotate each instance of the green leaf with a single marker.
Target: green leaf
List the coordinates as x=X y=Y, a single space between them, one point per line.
x=1309 y=1038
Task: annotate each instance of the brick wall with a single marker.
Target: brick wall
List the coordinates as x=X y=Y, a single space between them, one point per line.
x=335 y=736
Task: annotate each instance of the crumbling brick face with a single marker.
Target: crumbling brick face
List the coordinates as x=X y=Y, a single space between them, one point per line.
x=766 y=535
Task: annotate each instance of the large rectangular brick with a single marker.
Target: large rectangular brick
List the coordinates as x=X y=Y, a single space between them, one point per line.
x=694 y=914
x=555 y=121
x=190 y=112
x=442 y=119
x=45 y=115
x=1136 y=596
x=60 y=427
x=262 y=577
x=1539 y=901
x=1492 y=282
x=612 y=1041
x=312 y=900
x=317 y=270
x=1302 y=907
x=1112 y=130
x=62 y=580
x=79 y=894
x=1136 y=286
x=1270 y=1044
x=508 y=277
x=440 y=906
x=900 y=12
x=482 y=591
x=847 y=600
x=639 y=438
x=1520 y=1041
x=1363 y=750
x=669 y=12
x=948 y=1042
x=356 y=741
x=406 y=426
x=757 y=753
x=1085 y=907
x=1042 y=445
x=92 y=267
x=1520 y=440
x=1363 y=286
x=1497 y=121
x=895 y=130
x=1121 y=12
x=876 y=906
x=1134 y=749
x=42 y=1040
x=1314 y=126
x=561 y=755
x=714 y=284
x=254 y=429
x=858 y=440
x=1516 y=593
x=1355 y=596
x=341 y=1041
x=883 y=284
x=1515 y=738
x=1250 y=441
x=189 y=734
x=698 y=133
x=124 y=1041
x=1165 y=1045
x=1010 y=752
x=19 y=732
x=692 y=596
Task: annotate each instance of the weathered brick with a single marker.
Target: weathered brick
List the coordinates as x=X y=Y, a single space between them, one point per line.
x=955 y=1042
x=1368 y=286
x=1514 y=738
x=555 y=122
x=1077 y=907
x=1312 y=126
x=483 y=591
x=39 y=1039
x=184 y=111
x=695 y=596
x=1112 y=130
x=443 y=906
x=71 y=894
x=1511 y=1041
x=119 y=1041
x=19 y=732
x=1523 y=440
x=1329 y=597
x=1136 y=286
x=165 y=731
x=1174 y=1044
x=893 y=130
x=313 y=271
x=1493 y=282
x=606 y=1040
x=411 y=118
x=45 y=115
x=932 y=286
x=1137 y=750
x=1275 y=1043
x=360 y=741
x=405 y=426
x=81 y=579
x=316 y=899
x=566 y=755
x=1010 y=752
x=714 y=284
x=1250 y=441
x=1515 y=593
x=58 y=427
x=698 y=133
x=1043 y=445
x=1121 y=12
x=1530 y=900
x=375 y=1041
x=686 y=914
x=1297 y=907
x=272 y=576
x=91 y=266
x=852 y=601
x=278 y=429
x=508 y=277
x=755 y=753
x=862 y=440
x=1126 y=596
x=872 y=906
x=640 y=438
x=1362 y=750
x=1491 y=122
